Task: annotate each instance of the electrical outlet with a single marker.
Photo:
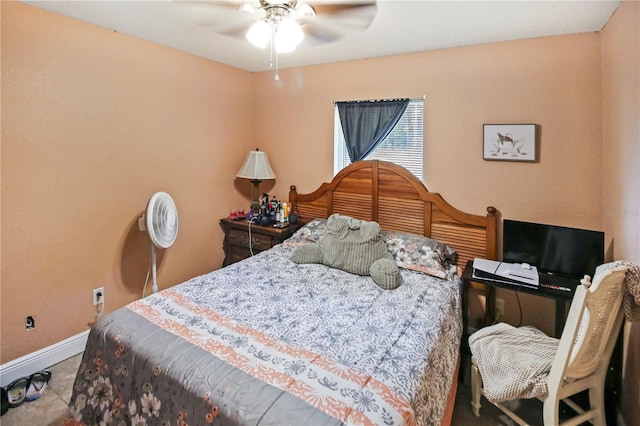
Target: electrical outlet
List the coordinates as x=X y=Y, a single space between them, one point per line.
x=30 y=322
x=98 y=296
x=499 y=307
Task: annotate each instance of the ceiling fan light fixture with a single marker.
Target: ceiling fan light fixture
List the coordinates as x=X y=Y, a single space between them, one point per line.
x=288 y=35
x=260 y=33
x=282 y=45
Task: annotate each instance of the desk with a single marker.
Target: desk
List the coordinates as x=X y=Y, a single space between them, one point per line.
x=613 y=381
x=560 y=296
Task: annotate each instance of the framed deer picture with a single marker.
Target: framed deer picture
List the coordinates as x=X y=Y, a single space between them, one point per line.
x=509 y=142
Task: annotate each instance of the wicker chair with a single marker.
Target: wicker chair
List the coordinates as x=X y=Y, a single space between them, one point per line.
x=583 y=351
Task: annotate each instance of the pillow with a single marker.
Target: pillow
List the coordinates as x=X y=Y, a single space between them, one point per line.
x=410 y=251
x=385 y=273
x=353 y=246
x=310 y=233
x=419 y=253
x=310 y=253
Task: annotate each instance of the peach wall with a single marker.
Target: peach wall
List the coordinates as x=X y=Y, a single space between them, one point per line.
x=554 y=82
x=621 y=170
x=93 y=123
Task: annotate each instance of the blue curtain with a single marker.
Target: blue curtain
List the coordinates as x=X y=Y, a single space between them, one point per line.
x=365 y=124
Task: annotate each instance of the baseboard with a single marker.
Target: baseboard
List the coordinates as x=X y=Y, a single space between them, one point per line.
x=43 y=358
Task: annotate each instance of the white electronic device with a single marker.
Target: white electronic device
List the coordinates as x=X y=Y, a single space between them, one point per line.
x=509 y=273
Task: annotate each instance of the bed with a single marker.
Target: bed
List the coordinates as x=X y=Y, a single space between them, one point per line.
x=272 y=342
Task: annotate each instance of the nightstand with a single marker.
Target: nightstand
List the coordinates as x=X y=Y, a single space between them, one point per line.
x=236 y=238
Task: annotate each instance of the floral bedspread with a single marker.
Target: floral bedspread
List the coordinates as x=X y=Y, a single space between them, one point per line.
x=267 y=341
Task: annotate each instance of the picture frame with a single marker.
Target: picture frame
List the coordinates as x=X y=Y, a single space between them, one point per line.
x=509 y=142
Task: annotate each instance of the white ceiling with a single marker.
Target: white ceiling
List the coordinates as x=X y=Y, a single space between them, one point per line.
x=398 y=27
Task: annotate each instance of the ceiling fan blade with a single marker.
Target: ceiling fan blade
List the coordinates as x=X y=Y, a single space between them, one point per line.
x=346 y=17
x=225 y=17
x=237 y=29
x=333 y=19
x=365 y=7
x=218 y=6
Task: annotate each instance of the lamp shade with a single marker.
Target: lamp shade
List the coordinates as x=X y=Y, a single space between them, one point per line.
x=256 y=166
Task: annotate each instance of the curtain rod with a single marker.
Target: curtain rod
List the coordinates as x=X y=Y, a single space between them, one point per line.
x=373 y=100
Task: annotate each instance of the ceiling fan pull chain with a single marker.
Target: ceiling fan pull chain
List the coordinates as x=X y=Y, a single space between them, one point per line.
x=272 y=50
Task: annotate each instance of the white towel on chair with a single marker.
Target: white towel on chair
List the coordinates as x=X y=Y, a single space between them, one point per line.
x=513 y=362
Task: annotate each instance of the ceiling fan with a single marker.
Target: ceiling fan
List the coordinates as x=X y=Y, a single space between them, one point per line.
x=287 y=21
x=279 y=22
x=284 y=24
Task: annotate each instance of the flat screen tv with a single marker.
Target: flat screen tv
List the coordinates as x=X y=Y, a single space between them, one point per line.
x=556 y=250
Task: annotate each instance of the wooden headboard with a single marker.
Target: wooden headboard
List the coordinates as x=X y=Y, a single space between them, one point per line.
x=390 y=195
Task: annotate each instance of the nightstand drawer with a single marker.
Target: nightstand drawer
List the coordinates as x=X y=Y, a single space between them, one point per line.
x=241 y=238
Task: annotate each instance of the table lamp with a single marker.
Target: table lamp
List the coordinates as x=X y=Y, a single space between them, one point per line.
x=256 y=167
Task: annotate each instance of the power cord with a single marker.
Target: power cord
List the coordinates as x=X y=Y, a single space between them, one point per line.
x=146 y=280
x=491 y=307
x=519 y=307
x=250 y=240
x=99 y=308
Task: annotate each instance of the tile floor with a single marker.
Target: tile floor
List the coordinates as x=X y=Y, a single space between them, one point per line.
x=49 y=409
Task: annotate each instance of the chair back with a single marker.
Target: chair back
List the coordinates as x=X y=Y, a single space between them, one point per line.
x=592 y=326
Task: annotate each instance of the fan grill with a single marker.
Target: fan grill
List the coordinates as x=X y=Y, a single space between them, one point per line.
x=162 y=220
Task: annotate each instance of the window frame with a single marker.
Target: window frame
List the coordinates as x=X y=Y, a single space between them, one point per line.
x=341 y=157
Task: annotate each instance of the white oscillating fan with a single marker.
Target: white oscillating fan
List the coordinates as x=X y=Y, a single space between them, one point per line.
x=161 y=223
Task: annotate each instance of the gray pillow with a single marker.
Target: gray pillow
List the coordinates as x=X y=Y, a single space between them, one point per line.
x=351 y=244
x=385 y=273
x=307 y=254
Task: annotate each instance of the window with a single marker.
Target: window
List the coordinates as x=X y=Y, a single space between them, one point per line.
x=404 y=145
